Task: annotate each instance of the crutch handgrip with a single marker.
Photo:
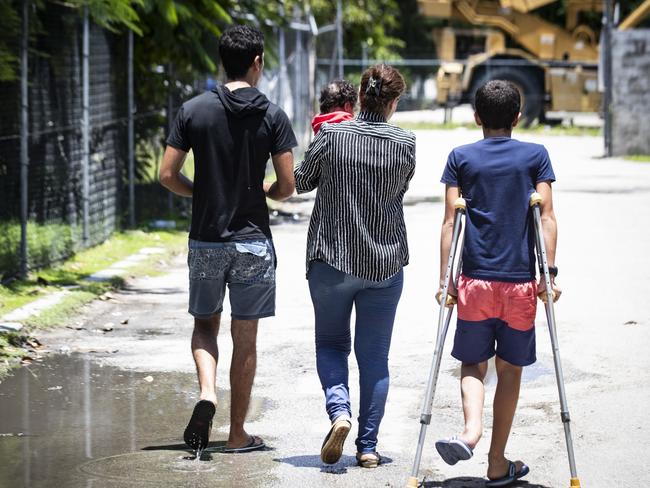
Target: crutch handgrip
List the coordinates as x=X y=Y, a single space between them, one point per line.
x=460 y=204
x=543 y=296
x=535 y=199
x=450 y=301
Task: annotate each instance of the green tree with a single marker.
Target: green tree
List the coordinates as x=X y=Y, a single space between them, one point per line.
x=9 y=29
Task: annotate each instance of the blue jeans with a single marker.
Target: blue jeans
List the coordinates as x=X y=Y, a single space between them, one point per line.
x=333 y=294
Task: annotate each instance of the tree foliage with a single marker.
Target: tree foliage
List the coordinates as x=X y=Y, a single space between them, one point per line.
x=369 y=23
x=9 y=27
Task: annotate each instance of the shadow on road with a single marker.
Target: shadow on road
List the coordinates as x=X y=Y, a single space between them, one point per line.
x=215 y=447
x=314 y=461
x=212 y=446
x=473 y=482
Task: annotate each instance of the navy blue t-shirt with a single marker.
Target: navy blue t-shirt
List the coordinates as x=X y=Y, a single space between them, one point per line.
x=496 y=177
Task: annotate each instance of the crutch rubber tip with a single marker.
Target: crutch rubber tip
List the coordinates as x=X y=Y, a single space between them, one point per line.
x=535 y=199
x=575 y=483
x=460 y=204
x=412 y=483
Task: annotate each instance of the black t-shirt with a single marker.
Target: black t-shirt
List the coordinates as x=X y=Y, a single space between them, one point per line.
x=231 y=135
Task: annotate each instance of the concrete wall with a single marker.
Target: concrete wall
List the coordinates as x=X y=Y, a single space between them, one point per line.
x=631 y=93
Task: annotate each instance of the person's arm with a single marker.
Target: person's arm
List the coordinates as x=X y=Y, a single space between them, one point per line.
x=549 y=231
x=411 y=158
x=451 y=195
x=285 y=184
x=170 y=175
x=308 y=173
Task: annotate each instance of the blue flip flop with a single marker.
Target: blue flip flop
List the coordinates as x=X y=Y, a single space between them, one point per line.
x=453 y=450
x=509 y=478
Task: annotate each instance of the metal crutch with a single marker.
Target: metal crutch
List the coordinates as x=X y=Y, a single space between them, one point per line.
x=446 y=304
x=535 y=201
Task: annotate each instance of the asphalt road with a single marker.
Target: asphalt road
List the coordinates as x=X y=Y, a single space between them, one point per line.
x=110 y=424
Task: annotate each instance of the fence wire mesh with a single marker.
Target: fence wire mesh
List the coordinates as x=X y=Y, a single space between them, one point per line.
x=55 y=197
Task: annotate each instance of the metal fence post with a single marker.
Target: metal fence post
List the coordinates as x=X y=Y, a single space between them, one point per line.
x=298 y=115
x=339 y=38
x=282 y=55
x=131 y=132
x=85 y=125
x=311 y=62
x=24 y=134
x=607 y=75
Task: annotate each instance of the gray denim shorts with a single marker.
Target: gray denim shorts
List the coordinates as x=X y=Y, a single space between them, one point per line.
x=247 y=267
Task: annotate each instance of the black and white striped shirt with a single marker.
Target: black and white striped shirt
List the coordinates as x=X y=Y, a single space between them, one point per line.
x=362 y=169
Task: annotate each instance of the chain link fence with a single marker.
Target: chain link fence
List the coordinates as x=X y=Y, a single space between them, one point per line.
x=55 y=141
x=71 y=197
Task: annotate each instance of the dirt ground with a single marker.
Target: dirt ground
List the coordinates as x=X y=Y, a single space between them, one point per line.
x=111 y=410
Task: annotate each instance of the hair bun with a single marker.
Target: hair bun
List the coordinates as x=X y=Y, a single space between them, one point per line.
x=380 y=85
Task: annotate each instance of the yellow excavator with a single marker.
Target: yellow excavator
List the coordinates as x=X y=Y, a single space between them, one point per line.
x=555 y=67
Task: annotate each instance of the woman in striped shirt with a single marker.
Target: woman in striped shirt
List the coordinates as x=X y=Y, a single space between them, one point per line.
x=356 y=249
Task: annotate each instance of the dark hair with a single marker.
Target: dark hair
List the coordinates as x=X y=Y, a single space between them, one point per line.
x=238 y=46
x=497 y=104
x=337 y=94
x=387 y=84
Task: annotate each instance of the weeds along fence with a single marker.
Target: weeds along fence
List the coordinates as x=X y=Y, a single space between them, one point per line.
x=80 y=145
x=57 y=150
x=63 y=139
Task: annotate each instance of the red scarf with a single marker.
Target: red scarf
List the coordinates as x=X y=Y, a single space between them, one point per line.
x=329 y=118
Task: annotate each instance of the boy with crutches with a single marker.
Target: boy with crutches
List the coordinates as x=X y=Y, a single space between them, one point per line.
x=497 y=291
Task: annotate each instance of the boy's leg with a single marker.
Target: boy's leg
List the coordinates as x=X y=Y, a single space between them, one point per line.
x=474 y=342
x=515 y=349
x=505 y=404
x=242 y=374
x=206 y=354
x=251 y=284
x=473 y=395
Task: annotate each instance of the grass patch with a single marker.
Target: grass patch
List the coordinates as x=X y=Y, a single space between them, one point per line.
x=60 y=313
x=70 y=275
x=46 y=243
x=73 y=271
x=556 y=130
x=11 y=346
x=638 y=158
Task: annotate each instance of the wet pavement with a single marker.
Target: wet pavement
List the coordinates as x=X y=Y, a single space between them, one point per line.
x=74 y=422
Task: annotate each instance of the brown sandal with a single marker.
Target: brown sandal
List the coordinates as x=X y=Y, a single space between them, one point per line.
x=368 y=459
x=332 y=448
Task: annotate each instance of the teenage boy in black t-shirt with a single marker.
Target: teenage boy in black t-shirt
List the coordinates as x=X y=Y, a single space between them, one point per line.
x=231 y=130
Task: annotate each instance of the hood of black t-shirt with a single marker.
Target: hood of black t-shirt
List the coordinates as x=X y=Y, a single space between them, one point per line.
x=242 y=102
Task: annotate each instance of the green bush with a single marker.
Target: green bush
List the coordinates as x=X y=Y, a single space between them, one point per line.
x=46 y=244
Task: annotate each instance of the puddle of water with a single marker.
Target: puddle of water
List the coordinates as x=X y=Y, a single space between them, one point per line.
x=72 y=422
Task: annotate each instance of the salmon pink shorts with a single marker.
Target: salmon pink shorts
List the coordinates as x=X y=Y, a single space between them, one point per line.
x=495 y=317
